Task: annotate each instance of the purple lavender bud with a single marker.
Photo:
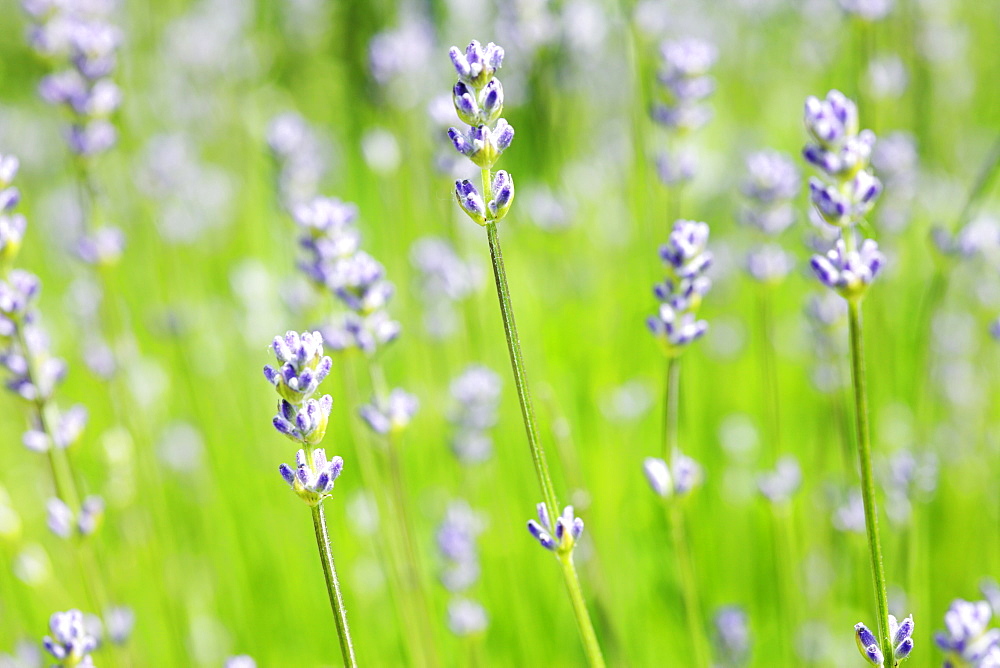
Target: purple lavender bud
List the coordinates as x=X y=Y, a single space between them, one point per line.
x=995 y=329
x=903 y=649
x=901 y=632
x=492 y=105
x=503 y=135
x=543 y=515
x=471 y=201
x=867 y=644
x=687 y=474
x=503 y=195
x=658 y=475
x=542 y=536
x=466 y=105
x=36 y=441
x=288 y=474
x=675 y=168
x=59 y=518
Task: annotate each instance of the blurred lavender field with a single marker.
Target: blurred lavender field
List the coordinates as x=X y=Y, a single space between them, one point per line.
x=185 y=180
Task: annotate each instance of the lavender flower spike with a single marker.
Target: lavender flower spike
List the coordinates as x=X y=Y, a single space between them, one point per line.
x=900 y=635
x=967 y=640
x=478 y=64
x=560 y=537
x=304 y=423
x=312 y=481
x=70 y=643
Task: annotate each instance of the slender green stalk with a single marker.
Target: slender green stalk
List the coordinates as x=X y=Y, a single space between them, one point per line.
x=867 y=478
x=584 y=624
x=333 y=585
x=593 y=648
x=671 y=407
x=689 y=587
x=517 y=360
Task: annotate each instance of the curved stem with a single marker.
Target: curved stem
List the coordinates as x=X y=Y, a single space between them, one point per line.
x=593 y=648
x=333 y=586
x=689 y=587
x=867 y=478
x=517 y=364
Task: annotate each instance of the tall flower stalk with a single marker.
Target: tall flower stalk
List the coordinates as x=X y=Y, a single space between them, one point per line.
x=33 y=375
x=336 y=265
x=302 y=366
x=843 y=197
x=478 y=98
x=675 y=326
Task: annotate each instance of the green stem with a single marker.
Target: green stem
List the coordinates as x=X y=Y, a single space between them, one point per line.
x=517 y=364
x=333 y=586
x=584 y=624
x=689 y=587
x=867 y=478
x=593 y=648
x=671 y=404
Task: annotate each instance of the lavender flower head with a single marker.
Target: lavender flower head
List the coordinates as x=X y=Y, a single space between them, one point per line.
x=845 y=195
x=478 y=101
x=769 y=263
x=63 y=522
x=70 y=643
x=686 y=82
x=686 y=259
x=675 y=480
x=559 y=536
x=313 y=476
x=967 y=639
x=476 y=393
x=12 y=225
x=902 y=642
x=771 y=184
x=86 y=43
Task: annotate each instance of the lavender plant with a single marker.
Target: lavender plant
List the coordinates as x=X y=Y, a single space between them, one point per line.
x=843 y=197
x=33 y=376
x=676 y=326
x=301 y=367
x=478 y=98
x=336 y=265
x=686 y=85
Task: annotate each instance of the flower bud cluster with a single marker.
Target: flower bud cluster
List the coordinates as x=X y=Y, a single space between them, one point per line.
x=686 y=259
x=456 y=540
x=476 y=393
x=901 y=635
x=70 y=643
x=771 y=184
x=967 y=639
x=845 y=194
x=478 y=100
x=334 y=261
x=302 y=366
x=85 y=43
x=686 y=85
x=674 y=481
x=559 y=536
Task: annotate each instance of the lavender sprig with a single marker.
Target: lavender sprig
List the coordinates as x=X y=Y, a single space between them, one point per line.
x=842 y=197
x=479 y=103
x=302 y=366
